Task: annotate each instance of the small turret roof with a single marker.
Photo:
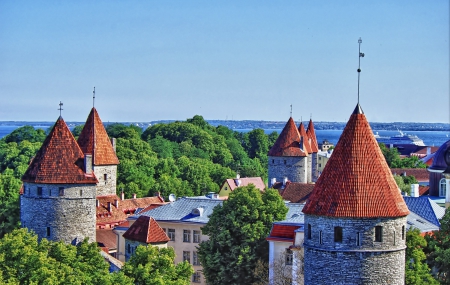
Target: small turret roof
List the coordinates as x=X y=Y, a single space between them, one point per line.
x=305 y=138
x=288 y=142
x=356 y=181
x=312 y=136
x=59 y=160
x=146 y=230
x=94 y=140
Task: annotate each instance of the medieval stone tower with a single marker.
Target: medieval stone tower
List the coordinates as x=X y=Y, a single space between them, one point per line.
x=94 y=140
x=355 y=217
x=59 y=189
x=292 y=156
x=311 y=134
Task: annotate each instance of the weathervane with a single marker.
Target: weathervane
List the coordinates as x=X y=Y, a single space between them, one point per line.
x=359 y=63
x=291 y=110
x=60 y=108
x=93 y=98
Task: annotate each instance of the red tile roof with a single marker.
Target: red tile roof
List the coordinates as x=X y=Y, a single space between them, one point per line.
x=306 y=144
x=288 y=142
x=145 y=229
x=106 y=238
x=312 y=136
x=244 y=181
x=421 y=174
x=424 y=190
x=295 y=192
x=94 y=140
x=282 y=232
x=356 y=181
x=118 y=215
x=59 y=160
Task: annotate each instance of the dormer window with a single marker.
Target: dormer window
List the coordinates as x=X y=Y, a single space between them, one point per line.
x=197 y=211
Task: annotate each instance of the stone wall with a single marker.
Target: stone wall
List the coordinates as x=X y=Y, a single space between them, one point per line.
x=358 y=259
x=108 y=186
x=294 y=168
x=63 y=212
x=314 y=167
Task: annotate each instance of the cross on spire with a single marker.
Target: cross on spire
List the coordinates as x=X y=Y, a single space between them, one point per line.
x=359 y=63
x=291 y=111
x=60 y=108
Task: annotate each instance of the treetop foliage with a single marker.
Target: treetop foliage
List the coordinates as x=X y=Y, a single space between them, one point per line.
x=394 y=160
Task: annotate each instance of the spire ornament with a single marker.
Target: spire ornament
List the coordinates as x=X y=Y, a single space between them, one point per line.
x=359 y=63
x=60 y=108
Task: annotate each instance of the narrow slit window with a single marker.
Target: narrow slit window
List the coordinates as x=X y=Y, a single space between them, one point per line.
x=39 y=191
x=320 y=237
x=48 y=231
x=403 y=232
x=378 y=233
x=358 y=239
x=309 y=231
x=337 y=234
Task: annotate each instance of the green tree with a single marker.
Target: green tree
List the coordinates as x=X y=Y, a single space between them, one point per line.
x=118 y=130
x=26 y=133
x=155 y=266
x=417 y=271
x=9 y=202
x=438 y=250
x=77 y=130
x=237 y=232
x=394 y=160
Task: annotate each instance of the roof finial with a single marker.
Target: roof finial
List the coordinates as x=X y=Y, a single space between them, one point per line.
x=291 y=110
x=359 y=63
x=93 y=98
x=310 y=116
x=60 y=108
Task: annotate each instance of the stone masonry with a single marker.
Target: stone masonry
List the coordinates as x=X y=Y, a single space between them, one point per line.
x=108 y=186
x=294 y=168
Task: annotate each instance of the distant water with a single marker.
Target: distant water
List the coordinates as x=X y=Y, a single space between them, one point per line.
x=430 y=138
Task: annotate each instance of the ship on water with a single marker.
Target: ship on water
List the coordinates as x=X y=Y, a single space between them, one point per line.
x=401 y=138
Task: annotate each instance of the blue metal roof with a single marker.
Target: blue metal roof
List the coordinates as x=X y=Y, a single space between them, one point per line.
x=415 y=221
x=425 y=208
x=294 y=214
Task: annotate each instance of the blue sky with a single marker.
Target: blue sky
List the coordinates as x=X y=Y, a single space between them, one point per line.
x=241 y=60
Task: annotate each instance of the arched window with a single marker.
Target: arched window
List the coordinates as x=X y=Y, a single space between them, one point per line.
x=442 y=186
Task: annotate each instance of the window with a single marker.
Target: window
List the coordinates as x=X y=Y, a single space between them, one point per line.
x=129 y=248
x=320 y=237
x=186 y=236
x=61 y=191
x=403 y=232
x=171 y=234
x=289 y=257
x=196 y=277
x=273 y=161
x=187 y=256
x=337 y=234
x=394 y=237
x=378 y=233
x=358 y=238
x=48 y=231
x=285 y=161
x=195 y=260
x=105 y=177
x=81 y=193
x=442 y=187
x=320 y=164
x=39 y=191
x=196 y=236
x=309 y=231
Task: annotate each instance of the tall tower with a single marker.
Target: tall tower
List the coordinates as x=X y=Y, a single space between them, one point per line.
x=58 y=202
x=288 y=157
x=355 y=217
x=315 y=150
x=305 y=141
x=94 y=140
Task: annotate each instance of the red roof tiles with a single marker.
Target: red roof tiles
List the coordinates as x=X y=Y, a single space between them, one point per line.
x=145 y=229
x=294 y=192
x=94 y=140
x=288 y=142
x=304 y=138
x=257 y=181
x=59 y=160
x=356 y=181
x=312 y=136
x=282 y=232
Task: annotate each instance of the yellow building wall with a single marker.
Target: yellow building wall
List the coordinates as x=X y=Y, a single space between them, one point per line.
x=225 y=190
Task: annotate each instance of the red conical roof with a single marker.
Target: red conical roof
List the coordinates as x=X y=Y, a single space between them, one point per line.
x=59 y=160
x=288 y=142
x=145 y=229
x=94 y=140
x=312 y=136
x=304 y=136
x=356 y=181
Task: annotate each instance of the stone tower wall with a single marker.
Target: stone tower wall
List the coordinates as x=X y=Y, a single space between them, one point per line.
x=355 y=260
x=108 y=186
x=69 y=216
x=314 y=167
x=294 y=168
x=309 y=168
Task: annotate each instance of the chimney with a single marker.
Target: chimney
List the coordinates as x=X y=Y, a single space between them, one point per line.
x=157 y=194
x=238 y=176
x=97 y=203
x=134 y=195
x=273 y=181
x=113 y=143
x=285 y=180
x=116 y=203
x=428 y=150
x=88 y=163
x=414 y=190
x=237 y=181
x=122 y=196
x=109 y=207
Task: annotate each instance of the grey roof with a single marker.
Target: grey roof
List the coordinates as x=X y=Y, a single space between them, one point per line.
x=413 y=220
x=294 y=214
x=181 y=210
x=425 y=208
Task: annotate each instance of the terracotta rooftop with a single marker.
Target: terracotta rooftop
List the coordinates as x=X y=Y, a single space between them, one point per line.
x=145 y=229
x=312 y=136
x=421 y=174
x=59 y=160
x=294 y=192
x=94 y=140
x=288 y=142
x=244 y=181
x=116 y=215
x=281 y=232
x=356 y=181
x=106 y=238
x=305 y=138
